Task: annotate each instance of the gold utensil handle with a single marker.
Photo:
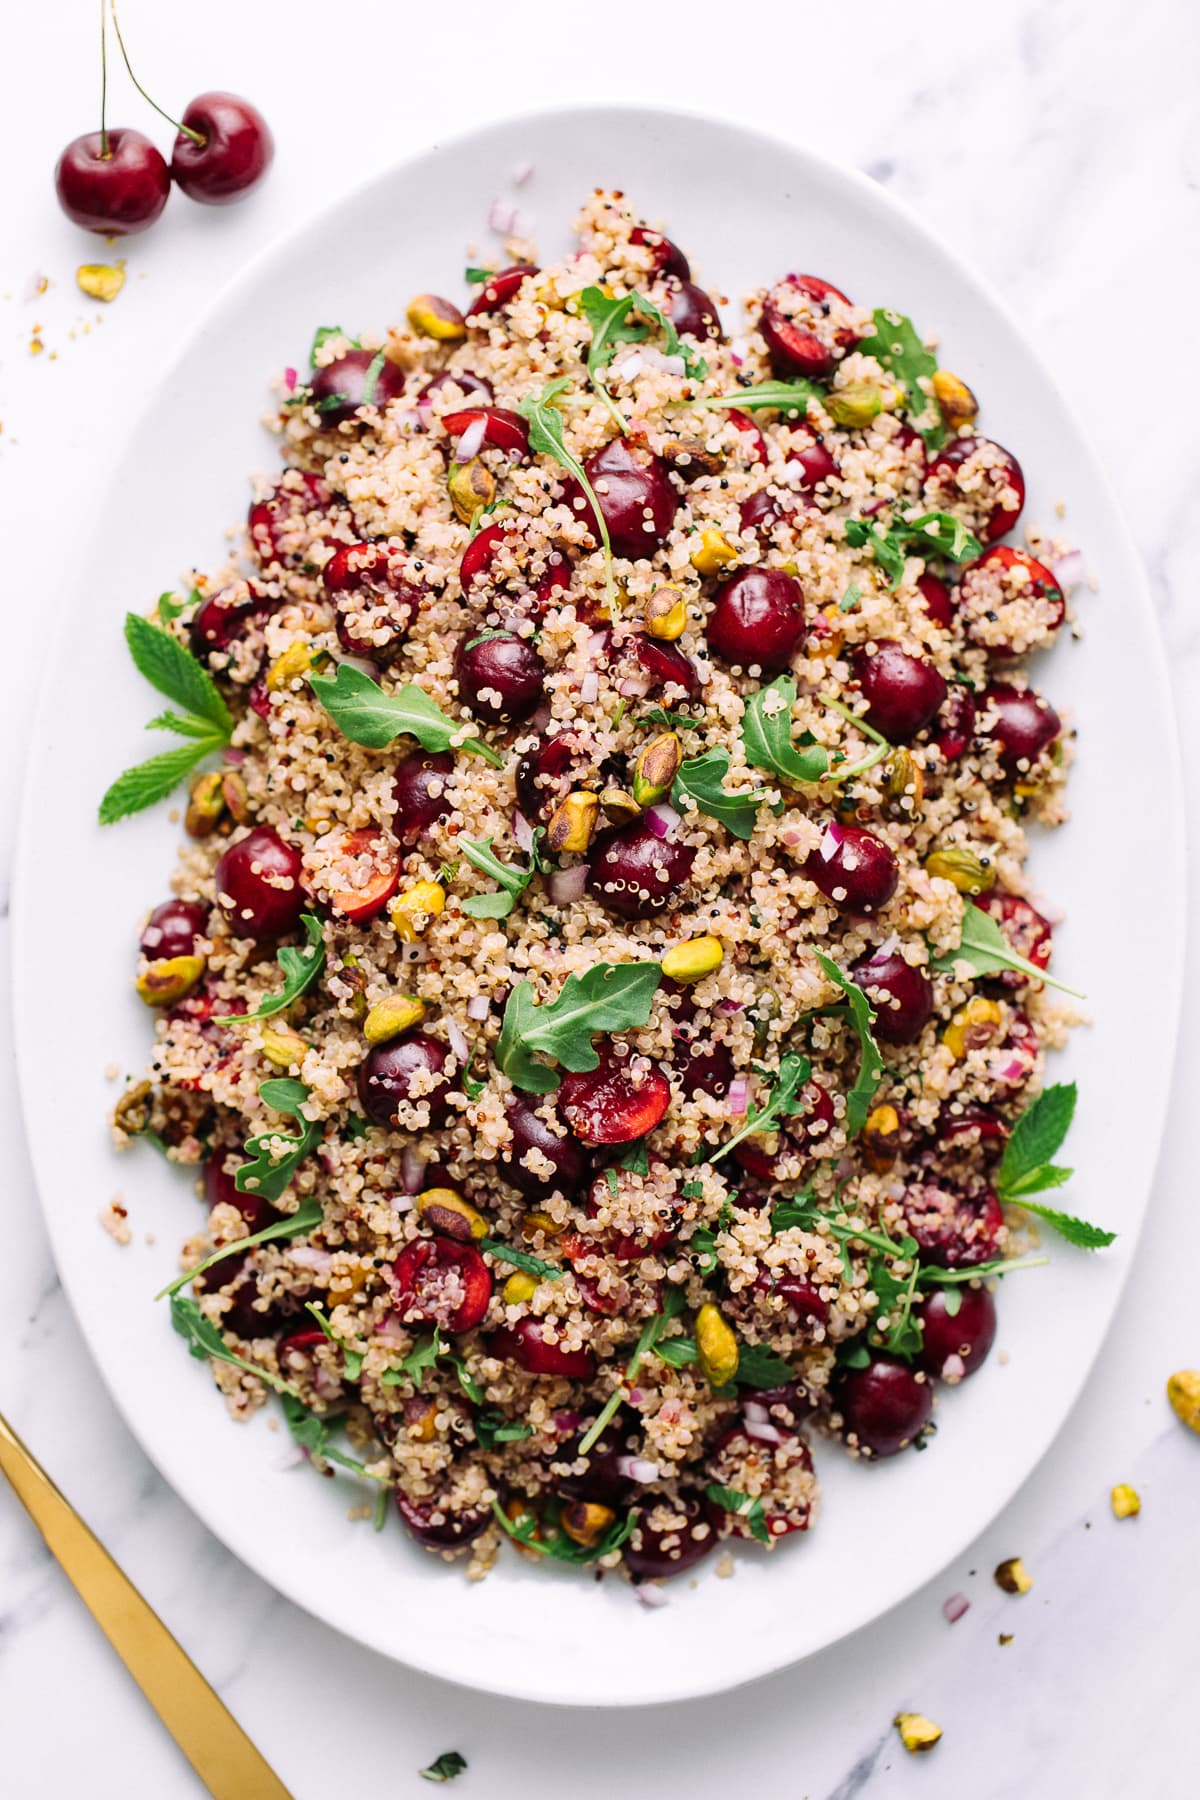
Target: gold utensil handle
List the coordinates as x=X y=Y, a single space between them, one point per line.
x=209 y=1736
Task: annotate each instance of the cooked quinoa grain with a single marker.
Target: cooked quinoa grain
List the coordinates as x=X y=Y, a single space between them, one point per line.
x=559 y=992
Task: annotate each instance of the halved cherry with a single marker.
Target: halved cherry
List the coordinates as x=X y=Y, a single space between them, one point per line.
x=502 y=429
x=1010 y=603
x=499 y=289
x=780 y=1290
x=671 y=1536
x=978 y=1125
x=548 y=772
x=954 y=726
x=668 y=257
x=374 y=601
x=433 y=1524
x=953 y=1228
x=753 y=442
x=525 y=1344
x=954 y=1344
x=802 y=327
x=614 y=1103
x=278 y=522
x=440 y=1281
x=1025 y=930
x=226 y=615
x=778 y=1472
x=664 y=663
x=937 y=600
x=995 y=489
x=373 y=860
x=479 y=555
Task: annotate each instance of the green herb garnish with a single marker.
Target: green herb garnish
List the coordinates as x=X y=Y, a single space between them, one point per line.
x=897 y=347
x=861 y=1017
x=273 y=1157
x=520 y=1259
x=513 y=879
x=493 y=1427
x=850 y=598
x=784 y=1100
x=169 y=608
x=477 y=277
x=557 y=1544
x=371 y=377
x=610 y=997
x=546 y=438
x=300 y=969
x=984 y=946
x=673 y=1304
x=701 y=781
x=882 y=744
x=366 y=715
x=655 y=715
x=767 y=735
x=450 y=1763
x=205 y=721
x=307 y=1216
x=322 y=335
x=311 y=1431
x=1026 y=1167
x=934 y=534
x=627 y=320
x=787 y=396
x=204 y=1340
x=743 y=1506
x=637 y=1158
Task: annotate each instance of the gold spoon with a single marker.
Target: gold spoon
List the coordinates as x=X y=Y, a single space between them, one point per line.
x=209 y=1735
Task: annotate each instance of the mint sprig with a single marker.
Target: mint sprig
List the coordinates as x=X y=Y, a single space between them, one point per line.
x=365 y=714
x=205 y=720
x=610 y=997
x=1026 y=1167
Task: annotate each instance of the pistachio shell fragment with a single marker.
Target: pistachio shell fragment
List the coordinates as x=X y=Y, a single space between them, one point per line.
x=1183 y=1391
x=389 y=1018
x=1012 y=1576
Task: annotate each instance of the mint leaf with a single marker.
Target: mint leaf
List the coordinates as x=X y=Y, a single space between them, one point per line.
x=1038 y=1134
x=610 y=997
x=1076 y=1231
x=185 y=725
x=767 y=735
x=151 y=781
x=371 y=378
x=986 y=949
x=300 y=969
x=307 y=1217
x=861 y=1096
x=176 y=673
x=759 y=1367
x=365 y=714
x=897 y=347
x=546 y=438
x=786 y=396
x=700 y=780
x=204 y=1340
x=1036 y=1181
x=742 y=1506
x=270 y=1168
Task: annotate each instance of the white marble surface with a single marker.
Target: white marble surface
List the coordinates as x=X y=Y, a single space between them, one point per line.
x=1057 y=144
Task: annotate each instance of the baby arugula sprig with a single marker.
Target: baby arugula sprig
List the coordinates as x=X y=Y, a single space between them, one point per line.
x=367 y=715
x=610 y=997
x=300 y=969
x=204 y=720
x=628 y=319
x=547 y=438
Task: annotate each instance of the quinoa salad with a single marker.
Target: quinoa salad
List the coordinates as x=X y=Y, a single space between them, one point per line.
x=599 y=994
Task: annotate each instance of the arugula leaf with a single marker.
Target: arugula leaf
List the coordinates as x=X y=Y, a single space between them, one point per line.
x=546 y=438
x=422 y=1356
x=322 y=334
x=609 y=997
x=655 y=715
x=701 y=781
x=371 y=378
x=886 y=548
x=850 y=598
x=307 y=1216
x=1076 y=1231
x=300 y=970
x=311 y=1431
x=551 y=1542
x=153 y=780
x=897 y=347
x=896 y=1295
x=513 y=880
x=934 y=534
x=677 y=1352
x=493 y=1427
x=169 y=607
x=787 y=396
x=476 y=277
x=615 y=321
x=984 y=946
x=931 y=1275
x=366 y=715
x=767 y=735
x=637 y=1158
x=204 y=1340
x=206 y=722
x=267 y=1172
x=520 y=1259
x=862 y=1016
x=784 y=1099
x=742 y=1506
x=450 y=1763
x=759 y=1367
x=674 y=1301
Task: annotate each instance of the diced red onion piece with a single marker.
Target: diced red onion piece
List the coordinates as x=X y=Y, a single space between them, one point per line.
x=728 y=1007
x=523 y=832
x=412 y=1169
x=637 y=1468
x=289 y=380
x=739 y=1096
x=764 y=1434
x=650 y=1597
x=589 y=687
x=500 y=215
x=1070 y=569
x=954 y=1608
x=308 y=1256
x=478 y=1006
x=327 y=1385
x=521 y=173
x=953 y=1369
x=471 y=441
x=634 y=687
x=458 y=1041
x=663 y=820
x=636 y=1396
x=566 y=886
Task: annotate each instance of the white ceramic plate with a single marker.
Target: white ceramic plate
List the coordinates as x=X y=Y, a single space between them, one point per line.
x=747 y=209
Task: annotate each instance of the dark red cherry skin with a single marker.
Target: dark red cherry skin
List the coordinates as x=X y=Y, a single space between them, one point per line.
x=500 y=677
x=529 y=1132
x=954 y=726
x=116 y=188
x=634 y=495
x=1040 y=584
x=173 y=927
x=757 y=620
x=499 y=289
x=387 y=1077
x=524 y=1343
x=977 y=1123
x=378 y=857
x=374 y=603
x=654 y=1552
x=668 y=257
x=901 y=995
x=549 y=771
x=816 y=464
x=635 y=874
x=937 y=600
x=601 y=1478
x=220 y=620
x=754 y=444
x=903 y=691
x=704 y=1069
x=853 y=869
x=791 y=346
x=1025 y=930
x=450 y=1531
x=258 y=885
x=957 y=1230
x=799 y=1297
x=440 y=1281
x=969 y=1334
x=693 y=312
x=235 y=155
x=943 y=474
x=612 y=1105
x=220 y=1189
x=766 y=508
x=474 y=387
x=1022 y=726
x=479 y=555
x=339 y=389
x=419 y=791
x=275 y=521
x=665 y=663
x=502 y=429
x=885 y=1406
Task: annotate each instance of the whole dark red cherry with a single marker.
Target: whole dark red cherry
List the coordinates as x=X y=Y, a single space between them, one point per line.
x=757 y=620
x=668 y=257
x=173 y=927
x=901 y=995
x=693 y=312
x=671 y=1536
x=432 y=1523
x=399 y=1074
x=114 y=182
x=500 y=677
x=531 y=1132
x=902 y=691
x=340 y=388
x=235 y=154
x=954 y=726
x=634 y=495
x=419 y=791
x=1021 y=725
x=853 y=869
x=636 y=874
x=967 y=1333
x=885 y=1406
x=258 y=885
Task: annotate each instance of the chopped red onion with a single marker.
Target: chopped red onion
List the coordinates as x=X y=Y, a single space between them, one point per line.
x=521 y=173
x=831 y=843
x=872 y=507
x=739 y=1097
x=412 y=1168
x=727 y=1008
x=953 y=1369
x=392 y=1331
x=1069 y=570
x=501 y=214
x=307 y=1256
x=566 y=886
x=425 y=410
x=289 y=380
x=954 y=1608
x=523 y=832
x=566 y=1421
x=327 y=1385
x=634 y=687
x=458 y=1041
x=663 y=820
x=764 y=1434
x=471 y=441
x=478 y=1006
x=589 y=688
x=637 y=1468
x=636 y=1396
x=234 y=757
x=650 y=1597
x=630 y=366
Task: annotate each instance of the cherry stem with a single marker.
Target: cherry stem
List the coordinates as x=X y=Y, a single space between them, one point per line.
x=104 y=150
x=196 y=136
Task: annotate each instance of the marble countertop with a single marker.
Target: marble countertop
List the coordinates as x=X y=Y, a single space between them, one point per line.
x=1057 y=147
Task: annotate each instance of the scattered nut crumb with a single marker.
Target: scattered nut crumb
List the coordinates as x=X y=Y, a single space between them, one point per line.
x=916 y=1731
x=360 y=1512
x=1013 y=1576
x=114 y=1218
x=1006 y=1637
x=1126 y=1501
x=1183 y=1391
x=725 y=1566
x=954 y=1608
x=36 y=345
x=149 y=1238
x=1002 y=1357
x=1060 y=509
x=111 y=1071
x=101 y=281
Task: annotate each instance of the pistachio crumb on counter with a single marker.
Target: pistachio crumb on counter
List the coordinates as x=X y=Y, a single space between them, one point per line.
x=917 y=1733
x=1126 y=1501
x=1012 y=1576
